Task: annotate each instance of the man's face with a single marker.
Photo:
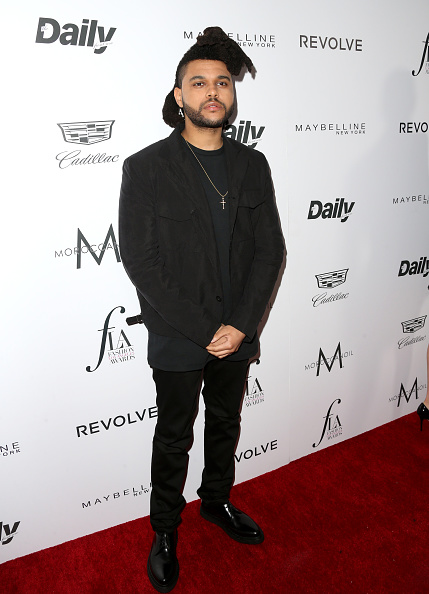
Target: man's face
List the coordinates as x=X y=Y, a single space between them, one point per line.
x=207 y=93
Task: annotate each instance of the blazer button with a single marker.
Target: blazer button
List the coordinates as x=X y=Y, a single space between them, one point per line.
x=218 y=298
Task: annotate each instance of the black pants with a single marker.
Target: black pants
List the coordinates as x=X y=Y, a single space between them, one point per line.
x=177 y=400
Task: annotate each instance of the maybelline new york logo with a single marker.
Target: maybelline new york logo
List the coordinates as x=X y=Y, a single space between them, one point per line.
x=416 y=267
x=245 y=133
x=410 y=327
x=121 y=495
x=9 y=449
x=412 y=199
x=406 y=394
x=7 y=533
x=340 y=209
x=85 y=134
x=332 y=426
x=330 y=280
x=328 y=362
x=424 y=59
x=119 y=349
x=344 y=129
x=97 y=250
x=243 y=39
x=90 y=34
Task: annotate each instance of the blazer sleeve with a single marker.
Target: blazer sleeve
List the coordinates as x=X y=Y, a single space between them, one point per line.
x=138 y=241
x=267 y=260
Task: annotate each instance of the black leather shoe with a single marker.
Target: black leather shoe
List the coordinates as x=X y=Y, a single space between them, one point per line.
x=423 y=413
x=235 y=523
x=162 y=565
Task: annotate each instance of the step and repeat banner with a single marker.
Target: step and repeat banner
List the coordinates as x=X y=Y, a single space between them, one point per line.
x=339 y=105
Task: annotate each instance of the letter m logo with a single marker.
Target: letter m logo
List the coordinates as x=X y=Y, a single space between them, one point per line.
x=403 y=392
x=81 y=239
x=329 y=366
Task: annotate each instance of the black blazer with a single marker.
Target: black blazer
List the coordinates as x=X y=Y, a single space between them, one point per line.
x=168 y=246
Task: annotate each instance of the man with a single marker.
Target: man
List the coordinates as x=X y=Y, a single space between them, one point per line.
x=200 y=240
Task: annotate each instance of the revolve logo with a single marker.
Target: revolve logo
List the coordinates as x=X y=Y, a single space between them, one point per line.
x=413 y=127
x=340 y=209
x=332 y=43
x=332 y=426
x=85 y=247
x=424 y=59
x=90 y=34
x=102 y=425
x=330 y=280
x=7 y=533
x=245 y=133
x=256 y=451
x=123 y=349
x=85 y=134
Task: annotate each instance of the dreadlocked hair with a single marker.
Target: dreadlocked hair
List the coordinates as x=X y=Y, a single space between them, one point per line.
x=214 y=44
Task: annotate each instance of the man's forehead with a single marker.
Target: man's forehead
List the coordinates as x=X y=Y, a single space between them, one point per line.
x=203 y=68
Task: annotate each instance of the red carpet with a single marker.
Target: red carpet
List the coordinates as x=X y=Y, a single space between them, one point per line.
x=351 y=518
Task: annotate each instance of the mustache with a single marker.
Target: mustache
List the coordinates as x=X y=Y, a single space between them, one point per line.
x=212 y=101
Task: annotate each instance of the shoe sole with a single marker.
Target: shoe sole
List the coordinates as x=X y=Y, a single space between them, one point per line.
x=231 y=533
x=159 y=587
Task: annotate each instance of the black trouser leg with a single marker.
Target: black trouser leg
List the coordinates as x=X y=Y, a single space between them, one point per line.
x=223 y=391
x=177 y=398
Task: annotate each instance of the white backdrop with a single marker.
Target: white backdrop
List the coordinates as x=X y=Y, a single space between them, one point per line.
x=344 y=124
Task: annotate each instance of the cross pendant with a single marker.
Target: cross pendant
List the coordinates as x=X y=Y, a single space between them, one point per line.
x=223 y=203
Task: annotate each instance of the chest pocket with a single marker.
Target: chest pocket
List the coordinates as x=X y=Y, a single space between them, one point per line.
x=176 y=226
x=248 y=213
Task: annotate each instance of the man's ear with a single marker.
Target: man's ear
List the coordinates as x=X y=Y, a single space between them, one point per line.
x=178 y=96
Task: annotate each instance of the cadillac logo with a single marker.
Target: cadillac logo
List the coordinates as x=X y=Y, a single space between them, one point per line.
x=413 y=325
x=329 y=280
x=87 y=132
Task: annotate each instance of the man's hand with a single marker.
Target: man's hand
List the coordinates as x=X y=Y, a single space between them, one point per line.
x=226 y=341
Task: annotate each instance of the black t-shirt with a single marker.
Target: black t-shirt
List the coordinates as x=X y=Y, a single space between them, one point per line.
x=181 y=354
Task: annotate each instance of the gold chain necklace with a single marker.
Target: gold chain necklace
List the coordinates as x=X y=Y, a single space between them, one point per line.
x=208 y=177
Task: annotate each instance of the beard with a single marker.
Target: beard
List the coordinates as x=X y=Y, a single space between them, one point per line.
x=197 y=118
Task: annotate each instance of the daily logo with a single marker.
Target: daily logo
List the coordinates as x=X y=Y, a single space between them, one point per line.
x=424 y=59
x=328 y=362
x=332 y=426
x=340 y=209
x=85 y=247
x=410 y=327
x=420 y=266
x=332 y=43
x=120 y=351
x=406 y=394
x=330 y=280
x=85 y=134
x=7 y=533
x=245 y=133
x=90 y=34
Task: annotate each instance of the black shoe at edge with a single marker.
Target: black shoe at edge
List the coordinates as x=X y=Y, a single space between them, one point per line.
x=234 y=522
x=162 y=565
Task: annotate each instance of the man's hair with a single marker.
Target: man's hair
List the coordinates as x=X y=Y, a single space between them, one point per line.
x=214 y=44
